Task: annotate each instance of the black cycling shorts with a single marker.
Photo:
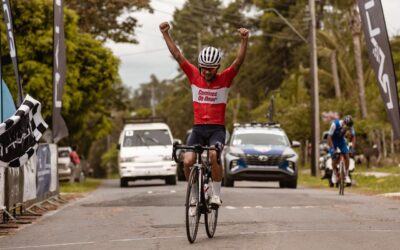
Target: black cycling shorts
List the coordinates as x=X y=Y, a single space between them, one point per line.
x=207 y=135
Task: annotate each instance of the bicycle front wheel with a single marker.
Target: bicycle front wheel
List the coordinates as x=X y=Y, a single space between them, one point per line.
x=210 y=220
x=192 y=206
x=341 y=180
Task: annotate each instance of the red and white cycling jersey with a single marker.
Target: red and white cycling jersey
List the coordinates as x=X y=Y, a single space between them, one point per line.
x=209 y=99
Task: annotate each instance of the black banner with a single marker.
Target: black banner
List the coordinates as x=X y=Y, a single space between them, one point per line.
x=11 y=43
x=60 y=129
x=380 y=56
x=43 y=171
x=13 y=194
x=20 y=133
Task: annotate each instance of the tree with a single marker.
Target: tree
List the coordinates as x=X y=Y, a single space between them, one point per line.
x=109 y=19
x=93 y=87
x=356 y=29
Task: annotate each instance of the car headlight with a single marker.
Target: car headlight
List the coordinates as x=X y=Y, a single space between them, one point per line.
x=291 y=165
x=127 y=159
x=167 y=158
x=237 y=154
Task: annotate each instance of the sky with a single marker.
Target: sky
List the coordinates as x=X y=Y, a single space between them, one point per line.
x=151 y=56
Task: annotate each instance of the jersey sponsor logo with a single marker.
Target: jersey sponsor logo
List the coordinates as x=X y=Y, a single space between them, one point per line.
x=210 y=96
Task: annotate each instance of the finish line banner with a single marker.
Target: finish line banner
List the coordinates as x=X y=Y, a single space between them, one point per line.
x=380 y=57
x=20 y=134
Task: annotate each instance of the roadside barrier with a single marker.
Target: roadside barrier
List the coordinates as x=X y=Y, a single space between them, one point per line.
x=25 y=191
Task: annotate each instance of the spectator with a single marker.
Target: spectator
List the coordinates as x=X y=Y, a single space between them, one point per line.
x=74 y=156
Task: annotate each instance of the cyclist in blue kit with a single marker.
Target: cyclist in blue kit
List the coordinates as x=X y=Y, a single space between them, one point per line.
x=337 y=140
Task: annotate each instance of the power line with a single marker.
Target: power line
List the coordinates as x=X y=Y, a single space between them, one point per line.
x=143 y=52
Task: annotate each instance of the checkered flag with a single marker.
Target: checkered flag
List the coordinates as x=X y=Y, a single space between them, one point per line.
x=20 y=134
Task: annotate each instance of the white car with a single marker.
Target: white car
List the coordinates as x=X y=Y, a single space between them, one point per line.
x=65 y=165
x=145 y=152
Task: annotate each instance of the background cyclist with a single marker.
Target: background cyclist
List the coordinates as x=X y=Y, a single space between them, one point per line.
x=337 y=139
x=210 y=92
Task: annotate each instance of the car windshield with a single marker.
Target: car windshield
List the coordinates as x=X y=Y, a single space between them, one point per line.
x=259 y=139
x=64 y=153
x=135 y=138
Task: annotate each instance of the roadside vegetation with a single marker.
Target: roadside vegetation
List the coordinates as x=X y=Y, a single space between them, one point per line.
x=88 y=185
x=362 y=183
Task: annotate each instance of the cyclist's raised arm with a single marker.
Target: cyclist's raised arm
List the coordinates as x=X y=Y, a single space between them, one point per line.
x=244 y=34
x=176 y=53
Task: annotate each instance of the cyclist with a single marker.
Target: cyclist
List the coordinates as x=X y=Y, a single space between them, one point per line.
x=210 y=92
x=337 y=139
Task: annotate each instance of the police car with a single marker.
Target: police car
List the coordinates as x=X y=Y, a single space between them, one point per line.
x=260 y=152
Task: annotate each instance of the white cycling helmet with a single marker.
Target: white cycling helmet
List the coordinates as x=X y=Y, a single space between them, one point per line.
x=209 y=57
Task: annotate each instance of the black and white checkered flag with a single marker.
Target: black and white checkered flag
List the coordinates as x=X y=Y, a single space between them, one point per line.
x=20 y=134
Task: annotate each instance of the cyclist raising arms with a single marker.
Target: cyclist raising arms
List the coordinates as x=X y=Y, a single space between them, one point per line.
x=210 y=93
x=336 y=139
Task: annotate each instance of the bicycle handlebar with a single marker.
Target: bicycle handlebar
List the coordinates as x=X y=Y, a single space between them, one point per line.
x=197 y=149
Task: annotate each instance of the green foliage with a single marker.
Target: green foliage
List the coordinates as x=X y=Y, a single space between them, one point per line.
x=93 y=87
x=109 y=159
x=143 y=113
x=104 y=19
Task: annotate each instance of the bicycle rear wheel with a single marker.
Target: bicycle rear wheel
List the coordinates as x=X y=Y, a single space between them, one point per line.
x=341 y=180
x=192 y=203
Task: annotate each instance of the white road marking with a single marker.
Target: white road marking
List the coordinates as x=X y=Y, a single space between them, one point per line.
x=229 y=207
x=149 y=192
x=246 y=207
x=52 y=245
x=230 y=234
x=173 y=191
x=149 y=238
x=259 y=207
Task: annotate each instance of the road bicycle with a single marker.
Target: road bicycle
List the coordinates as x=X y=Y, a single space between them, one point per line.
x=198 y=201
x=342 y=170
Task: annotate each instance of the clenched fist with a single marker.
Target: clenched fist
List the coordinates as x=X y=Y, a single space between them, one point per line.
x=164 y=27
x=244 y=33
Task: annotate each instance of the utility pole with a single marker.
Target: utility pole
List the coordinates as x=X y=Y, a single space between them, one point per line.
x=153 y=101
x=199 y=42
x=314 y=91
x=236 y=110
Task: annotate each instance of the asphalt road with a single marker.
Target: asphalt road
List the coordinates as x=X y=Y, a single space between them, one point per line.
x=150 y=215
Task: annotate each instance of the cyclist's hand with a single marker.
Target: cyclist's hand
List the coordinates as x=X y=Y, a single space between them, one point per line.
x=244 y=33
x=164 y=27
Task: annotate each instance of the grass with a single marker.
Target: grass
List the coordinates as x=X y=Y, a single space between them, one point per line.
x=90 y=184
x=385 y=169
x=362 y=184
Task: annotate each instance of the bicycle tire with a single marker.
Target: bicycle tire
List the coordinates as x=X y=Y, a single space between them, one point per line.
x=211 y=224
x=341 y=181
x=192 y=222
x=210 y=216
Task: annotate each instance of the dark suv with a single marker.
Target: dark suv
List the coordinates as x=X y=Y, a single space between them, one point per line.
x=260 y=152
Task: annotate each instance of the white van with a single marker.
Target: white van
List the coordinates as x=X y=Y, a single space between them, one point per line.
x=145 y=152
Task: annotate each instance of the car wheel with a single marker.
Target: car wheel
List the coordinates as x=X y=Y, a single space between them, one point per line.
x=123 y=182
x=228 y=182
x=170 y=180
x=292 y=184
x=180 y=172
